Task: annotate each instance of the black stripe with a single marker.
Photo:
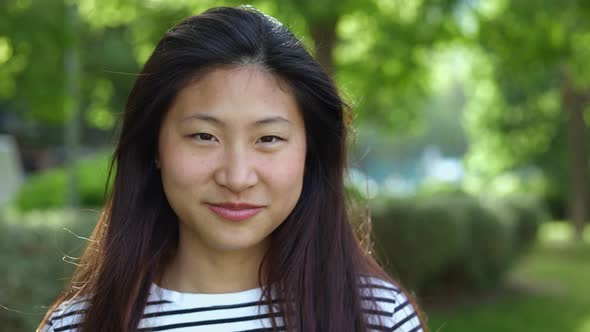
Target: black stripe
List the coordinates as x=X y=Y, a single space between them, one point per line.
x=246 y=318
x=65 y=305
x=377 y=312
x=189 y=324
x=70 y=313
x=205 y=322
x=400 y=306
x=265 y=329
x=377 y=327
x=378 y=299
x=415 y=329
x=81 y=311
x=158 y=302
x=66 y=327
x=202 y=309
x=402 y=322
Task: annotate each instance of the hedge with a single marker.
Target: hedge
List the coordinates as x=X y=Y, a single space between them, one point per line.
x=38 y=253
x=48 y=189
x=428 y=243
x=462 y=242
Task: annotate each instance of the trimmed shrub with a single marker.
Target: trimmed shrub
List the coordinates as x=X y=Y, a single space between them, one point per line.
x=45 y=190
x=416 y=238
x=457 y=241
x=48 y=189
x=38 y=253
x=490 y=242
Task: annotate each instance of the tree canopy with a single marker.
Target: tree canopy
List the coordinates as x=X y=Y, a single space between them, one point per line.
x=526 y=97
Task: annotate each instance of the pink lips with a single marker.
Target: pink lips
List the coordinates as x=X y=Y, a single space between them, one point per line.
x=235 y=212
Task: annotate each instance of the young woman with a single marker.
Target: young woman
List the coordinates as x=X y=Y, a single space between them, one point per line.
x=227 y=211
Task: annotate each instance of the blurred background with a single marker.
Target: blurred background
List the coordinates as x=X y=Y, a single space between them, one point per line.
x=469 y=151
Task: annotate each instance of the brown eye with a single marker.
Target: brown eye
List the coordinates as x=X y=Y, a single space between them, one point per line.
x=269 y=139
x=204 y=137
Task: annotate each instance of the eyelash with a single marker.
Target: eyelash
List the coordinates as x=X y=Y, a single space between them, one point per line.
x=278 y=139
x=200 y=136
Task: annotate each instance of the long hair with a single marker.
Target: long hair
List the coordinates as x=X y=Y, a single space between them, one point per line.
x=315 y=260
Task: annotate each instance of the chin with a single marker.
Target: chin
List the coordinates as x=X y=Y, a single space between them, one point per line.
x=233 y=248
x=233 y=245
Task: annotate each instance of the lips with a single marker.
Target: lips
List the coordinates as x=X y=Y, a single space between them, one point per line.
x=235 y=211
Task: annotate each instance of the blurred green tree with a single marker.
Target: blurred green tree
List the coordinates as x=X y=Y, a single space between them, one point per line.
x=377 y=50
x=528 y=107
x=36 y=36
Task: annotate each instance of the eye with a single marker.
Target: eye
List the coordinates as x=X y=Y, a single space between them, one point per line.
x=204 y=137
x=270 y=139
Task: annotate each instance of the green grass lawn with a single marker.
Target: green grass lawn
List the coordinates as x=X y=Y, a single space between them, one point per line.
x=550 y=291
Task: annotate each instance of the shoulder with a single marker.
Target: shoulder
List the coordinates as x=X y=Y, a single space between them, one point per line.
x=389 y=306
x=66 y=316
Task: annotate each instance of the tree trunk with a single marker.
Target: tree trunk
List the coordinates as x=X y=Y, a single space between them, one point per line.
x=72 y=104
x=325 y=38
x=574 y=103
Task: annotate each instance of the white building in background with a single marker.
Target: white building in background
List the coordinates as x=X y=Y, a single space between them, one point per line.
x=406 y=177
x=438 y=168
x=11 y=172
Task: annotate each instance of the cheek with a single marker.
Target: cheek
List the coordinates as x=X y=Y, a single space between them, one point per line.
x=183 y=169
x=287 y=172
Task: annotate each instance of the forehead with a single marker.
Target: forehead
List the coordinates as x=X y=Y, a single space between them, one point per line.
x=238 y=93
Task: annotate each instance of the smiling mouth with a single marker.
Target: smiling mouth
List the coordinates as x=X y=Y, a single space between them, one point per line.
x=235 y=212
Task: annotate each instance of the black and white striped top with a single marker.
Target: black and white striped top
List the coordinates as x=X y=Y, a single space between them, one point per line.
x=168 y=310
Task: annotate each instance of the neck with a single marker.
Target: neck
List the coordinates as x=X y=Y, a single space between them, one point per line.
x=199 y=269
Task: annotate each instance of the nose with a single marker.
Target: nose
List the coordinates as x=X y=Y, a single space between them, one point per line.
x=236 y=171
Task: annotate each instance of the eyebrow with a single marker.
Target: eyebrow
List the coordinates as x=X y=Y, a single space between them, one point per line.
x=218 y=122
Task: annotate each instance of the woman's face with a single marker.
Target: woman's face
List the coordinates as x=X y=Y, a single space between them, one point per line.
x=232 y=154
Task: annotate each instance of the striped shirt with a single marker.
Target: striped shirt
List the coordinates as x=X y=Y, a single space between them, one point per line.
x=168 y=310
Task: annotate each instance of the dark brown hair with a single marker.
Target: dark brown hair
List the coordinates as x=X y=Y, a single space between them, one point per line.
x=315 y=259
